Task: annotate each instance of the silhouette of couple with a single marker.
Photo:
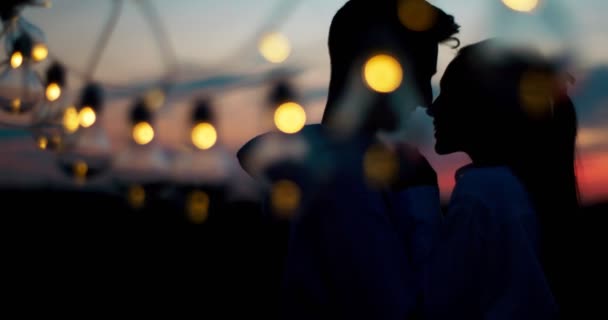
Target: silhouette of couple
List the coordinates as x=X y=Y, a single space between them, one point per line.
x=369 y=239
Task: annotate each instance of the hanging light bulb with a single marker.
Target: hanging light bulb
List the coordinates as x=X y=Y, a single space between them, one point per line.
x=21 y=89
x=18 y=27
x=92 y=101
x=142 y=168
x=197 y=206
x=57 y=116
x=274 y=148
x=203 y=170
x=10 y=9
x=204 y=134
x=289 y=117
x=204 y=162
x=142 y=130
x=86 y=151
x=274 y=47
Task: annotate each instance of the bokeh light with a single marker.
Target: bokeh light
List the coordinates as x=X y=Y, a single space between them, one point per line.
x=87 y=117
x=40 y=52
x=536 y=91
x=71 y=120
x=197 y=207
x=285 y=198
x=16 y=105
x=383 y=73
x=275 y=47
x=53 y=92
x=522 y=5
x=81 y=170
x=380 y=166
x=143 y=133
x=290 y=117
x=417 y=15
x=155 y=99
x=204 y=135
x=43 y=143
x=16 y=60
x=49 y=142
x=136 y=196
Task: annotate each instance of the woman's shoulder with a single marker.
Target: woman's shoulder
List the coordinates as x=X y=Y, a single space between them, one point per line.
x=487 y=179
x=494 y=187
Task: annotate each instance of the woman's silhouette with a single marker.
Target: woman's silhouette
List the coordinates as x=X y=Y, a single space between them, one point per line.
x=504 y=253
x=352 y=248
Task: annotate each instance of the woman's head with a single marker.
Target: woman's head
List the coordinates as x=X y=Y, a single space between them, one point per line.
x=496 y=98
x=363 y=28
x=509 y=106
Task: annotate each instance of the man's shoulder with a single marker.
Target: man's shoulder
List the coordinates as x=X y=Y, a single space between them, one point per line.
x=274 y=147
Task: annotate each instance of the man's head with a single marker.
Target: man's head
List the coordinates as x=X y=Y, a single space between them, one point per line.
x=408 y=30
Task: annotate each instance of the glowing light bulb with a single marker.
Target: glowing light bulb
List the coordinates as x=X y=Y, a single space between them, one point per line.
x=21 y=90
x=143 y=133
x=197 y=207
x=383 y=73
x=536 y=93
x=290 y=117
x=275 y=47
x=417 y=15
x=136 y=196
x=16 y=60
x=204 y=136
x=84 y=149
x=285 y=198
x=80 y=169
x=16 y=105
x=43 y=143
x=521 y=5
x=53 y=92
x=87 y=117
x=155 y=99
x=71 y=120
x=380 y=166
x=40 y=52
x=18 y=27
x=48 y=121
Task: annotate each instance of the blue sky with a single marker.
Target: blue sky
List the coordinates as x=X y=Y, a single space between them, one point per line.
x=218 y=38
x=205 y=31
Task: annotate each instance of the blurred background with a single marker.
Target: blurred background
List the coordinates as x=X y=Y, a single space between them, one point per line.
x=129 y=113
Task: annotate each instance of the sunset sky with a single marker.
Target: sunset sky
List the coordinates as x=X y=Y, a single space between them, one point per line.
x=215 y=43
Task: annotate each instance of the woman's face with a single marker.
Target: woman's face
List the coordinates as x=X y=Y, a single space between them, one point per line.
x=452 y=114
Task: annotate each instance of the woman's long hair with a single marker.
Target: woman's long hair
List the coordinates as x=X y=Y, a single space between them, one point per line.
x=537 y=129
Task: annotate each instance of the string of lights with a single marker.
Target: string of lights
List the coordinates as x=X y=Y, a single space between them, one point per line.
x=163 y=42
x=104 y=39
x=69 y=126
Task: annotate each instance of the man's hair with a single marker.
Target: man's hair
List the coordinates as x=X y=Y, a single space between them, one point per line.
x=358 y=18
x=362 y=27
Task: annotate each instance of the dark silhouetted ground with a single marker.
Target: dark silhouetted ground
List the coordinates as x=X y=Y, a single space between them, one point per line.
x=79 y=253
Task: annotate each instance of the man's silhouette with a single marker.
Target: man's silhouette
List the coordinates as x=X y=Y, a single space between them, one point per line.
x=356 y=249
